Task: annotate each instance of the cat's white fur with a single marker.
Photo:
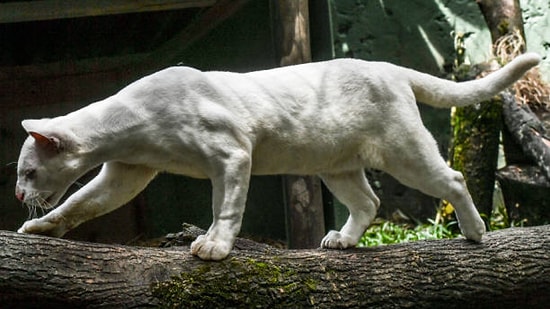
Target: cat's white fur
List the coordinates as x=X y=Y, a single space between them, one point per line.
x=331 y=119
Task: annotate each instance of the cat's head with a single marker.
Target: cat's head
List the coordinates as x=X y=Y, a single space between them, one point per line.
x=48 y=165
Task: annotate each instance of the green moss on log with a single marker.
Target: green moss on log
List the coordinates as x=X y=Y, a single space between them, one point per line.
x=236 y=282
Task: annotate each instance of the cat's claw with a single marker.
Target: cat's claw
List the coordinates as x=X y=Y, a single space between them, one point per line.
x=210 y=250
x=337 y=240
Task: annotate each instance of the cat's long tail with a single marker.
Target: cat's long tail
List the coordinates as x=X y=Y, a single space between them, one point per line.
x=444 y=93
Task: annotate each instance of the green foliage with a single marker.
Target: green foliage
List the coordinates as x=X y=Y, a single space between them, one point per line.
x=391 y=233
x=443 y=227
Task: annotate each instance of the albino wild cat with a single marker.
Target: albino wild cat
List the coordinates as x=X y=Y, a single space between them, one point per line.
x=330 y=119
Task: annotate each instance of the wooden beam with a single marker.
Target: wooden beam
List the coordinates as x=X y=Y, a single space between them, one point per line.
x=13 y=12
x=89 y=79
x=206 y=21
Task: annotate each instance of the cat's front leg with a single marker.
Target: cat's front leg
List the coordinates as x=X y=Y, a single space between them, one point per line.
x=229 y=191
x=115 y=185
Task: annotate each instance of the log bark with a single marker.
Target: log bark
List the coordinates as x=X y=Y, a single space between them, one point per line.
x=525 y=191
x=529 y=132
x=509 y=269
x=525 y=183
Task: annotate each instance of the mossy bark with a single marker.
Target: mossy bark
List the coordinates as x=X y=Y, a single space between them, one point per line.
x=474 y=152
x=509 y=269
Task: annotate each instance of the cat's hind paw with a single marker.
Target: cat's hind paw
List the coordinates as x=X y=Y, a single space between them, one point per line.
x=337 y=240
x=473 y=230
x=210 y=250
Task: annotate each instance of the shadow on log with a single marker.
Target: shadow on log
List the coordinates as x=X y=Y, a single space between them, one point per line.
x=509 y=269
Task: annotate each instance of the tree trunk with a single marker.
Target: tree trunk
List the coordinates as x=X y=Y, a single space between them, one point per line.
x=509 y=269
x=292 y=31
x=502 y=17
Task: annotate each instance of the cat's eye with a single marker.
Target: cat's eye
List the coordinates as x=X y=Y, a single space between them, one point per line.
x=30 y=174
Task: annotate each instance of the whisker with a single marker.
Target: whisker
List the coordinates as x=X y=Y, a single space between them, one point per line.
x=45 y=205
x=37 y=204
x=42 y=203
x=32 y=211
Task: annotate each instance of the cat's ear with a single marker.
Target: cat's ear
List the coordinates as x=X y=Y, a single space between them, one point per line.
x=45 y=141
x=33 y=125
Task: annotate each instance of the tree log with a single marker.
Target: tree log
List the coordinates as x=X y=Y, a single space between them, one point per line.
x=509 y=269
x=528 y=131
x=525 y=183
x=525 y=191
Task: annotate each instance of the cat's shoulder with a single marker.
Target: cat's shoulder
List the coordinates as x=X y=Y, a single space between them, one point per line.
x=174 y=75
x=178 y=71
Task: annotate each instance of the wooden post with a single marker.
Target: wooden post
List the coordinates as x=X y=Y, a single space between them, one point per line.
x=304 y=204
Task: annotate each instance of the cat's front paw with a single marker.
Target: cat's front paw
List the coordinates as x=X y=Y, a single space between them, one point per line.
x=43 y=226
x=210 y=249
x=337 y=240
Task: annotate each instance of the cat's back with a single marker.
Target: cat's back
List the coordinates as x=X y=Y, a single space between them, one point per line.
x=175 y=76
x=314 y=73
x=184 y=89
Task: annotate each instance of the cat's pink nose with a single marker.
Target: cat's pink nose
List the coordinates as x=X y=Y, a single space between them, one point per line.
x=20 y=195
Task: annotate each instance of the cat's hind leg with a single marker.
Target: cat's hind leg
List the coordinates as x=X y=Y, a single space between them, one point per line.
x=354 y=191
x=116 y=184
x=420 y=166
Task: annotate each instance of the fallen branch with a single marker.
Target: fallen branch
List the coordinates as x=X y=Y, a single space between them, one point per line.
x=528 y=131
x=509 y=269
